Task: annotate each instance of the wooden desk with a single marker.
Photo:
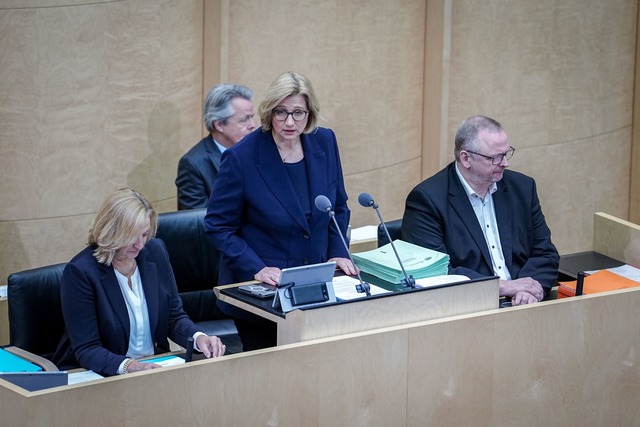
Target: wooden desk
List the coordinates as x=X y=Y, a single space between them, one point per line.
x=556 y=363
x=572 y=264
x=372 y=312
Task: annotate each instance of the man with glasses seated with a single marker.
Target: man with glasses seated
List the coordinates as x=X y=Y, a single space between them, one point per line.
x=487 y=218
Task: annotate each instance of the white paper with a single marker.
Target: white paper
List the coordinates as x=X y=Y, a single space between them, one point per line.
x=345 y=288
x=628 y=271
x=82 y=376
x=165 y=360
x=428 y=282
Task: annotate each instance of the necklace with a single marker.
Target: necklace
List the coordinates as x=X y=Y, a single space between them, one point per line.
x=129 y=274
x=293 y=148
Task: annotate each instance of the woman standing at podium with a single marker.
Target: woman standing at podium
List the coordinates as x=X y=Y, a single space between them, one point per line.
x=261 y=213
x=119 y=297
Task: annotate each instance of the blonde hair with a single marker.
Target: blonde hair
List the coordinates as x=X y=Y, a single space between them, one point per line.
x=285 y=85
x=118 y=223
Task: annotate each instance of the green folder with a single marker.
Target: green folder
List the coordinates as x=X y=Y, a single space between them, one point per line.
x=418 y=262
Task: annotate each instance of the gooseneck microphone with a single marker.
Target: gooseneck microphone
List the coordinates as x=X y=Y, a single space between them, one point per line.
x=324 y=204
x=366 y=200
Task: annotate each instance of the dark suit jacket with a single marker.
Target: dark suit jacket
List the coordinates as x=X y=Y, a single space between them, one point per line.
x=95 y=313
x=438 y=215
x=197 y=170
x=254 y=218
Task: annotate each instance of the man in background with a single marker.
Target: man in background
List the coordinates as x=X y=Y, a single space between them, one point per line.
x=487 y=218
x=228 y=116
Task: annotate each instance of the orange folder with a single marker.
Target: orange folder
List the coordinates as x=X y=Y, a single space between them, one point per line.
x=600 y=281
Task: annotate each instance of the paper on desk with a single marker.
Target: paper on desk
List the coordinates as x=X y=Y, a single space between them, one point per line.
x=83 y=376
x=428 y=282
x=166 y=360
x=345 y=288
x=627 y=271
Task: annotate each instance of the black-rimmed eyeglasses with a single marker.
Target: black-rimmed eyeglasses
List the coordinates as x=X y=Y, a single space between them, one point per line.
x=497 y=159
x=282 y=115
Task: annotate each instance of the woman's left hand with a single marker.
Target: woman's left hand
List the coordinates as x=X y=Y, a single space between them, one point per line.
x=210 y=346
x=346 y=265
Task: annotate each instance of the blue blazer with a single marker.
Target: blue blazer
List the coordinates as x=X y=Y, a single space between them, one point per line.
x=439 y=215
x=254 y=217
x=197 y=171
x=95 y=313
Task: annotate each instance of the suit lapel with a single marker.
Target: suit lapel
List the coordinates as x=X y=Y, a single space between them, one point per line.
x=461 y=204
x=114 y=294
x=315 y=159
x=274 y=173
x=149 y=278
x=213 y=152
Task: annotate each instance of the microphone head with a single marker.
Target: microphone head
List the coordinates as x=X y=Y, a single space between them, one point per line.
x=323 y=203
x=366 y=200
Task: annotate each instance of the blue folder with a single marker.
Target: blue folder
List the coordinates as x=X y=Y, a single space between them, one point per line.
x=9 y=362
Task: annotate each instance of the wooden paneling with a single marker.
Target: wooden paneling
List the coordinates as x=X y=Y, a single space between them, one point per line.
x=99 y=95
x=95 y=97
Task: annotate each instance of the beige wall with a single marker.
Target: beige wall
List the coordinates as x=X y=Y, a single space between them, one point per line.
x=101 y=95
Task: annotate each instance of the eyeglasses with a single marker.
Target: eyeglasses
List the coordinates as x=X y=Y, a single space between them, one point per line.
x=497 y=159
x=283 y=115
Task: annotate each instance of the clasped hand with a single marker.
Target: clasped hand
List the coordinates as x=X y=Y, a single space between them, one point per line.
x=524 y=290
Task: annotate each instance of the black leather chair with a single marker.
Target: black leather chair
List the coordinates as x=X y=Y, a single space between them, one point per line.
x=35 y=313
x=195 y=264
x=394 y=227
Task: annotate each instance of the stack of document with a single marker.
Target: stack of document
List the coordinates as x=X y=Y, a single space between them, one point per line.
x=418 y=262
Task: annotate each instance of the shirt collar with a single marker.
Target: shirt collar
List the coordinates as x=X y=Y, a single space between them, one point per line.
x=220 y=146
x=467 y=188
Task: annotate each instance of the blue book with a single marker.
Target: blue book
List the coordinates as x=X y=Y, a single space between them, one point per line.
x=9 y=362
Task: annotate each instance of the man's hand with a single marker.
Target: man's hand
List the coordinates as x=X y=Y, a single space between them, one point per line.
x=511 y=288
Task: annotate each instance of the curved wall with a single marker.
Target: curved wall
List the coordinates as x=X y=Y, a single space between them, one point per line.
x=100 y=95
x=95 y=97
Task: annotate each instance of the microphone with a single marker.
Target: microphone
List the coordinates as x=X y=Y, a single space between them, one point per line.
x=367 y=201
x=189 y=356
x=324 y=204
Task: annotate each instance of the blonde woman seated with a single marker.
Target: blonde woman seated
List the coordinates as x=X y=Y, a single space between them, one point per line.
x=119 y=296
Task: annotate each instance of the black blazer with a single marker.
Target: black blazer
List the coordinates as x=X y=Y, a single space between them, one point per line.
x=254 y=217
x=95 y=313
x=197 y=170
x=439 y=215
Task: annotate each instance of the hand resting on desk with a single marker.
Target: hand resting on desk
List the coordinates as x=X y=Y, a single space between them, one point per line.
x=524 y=290
x=271 y=275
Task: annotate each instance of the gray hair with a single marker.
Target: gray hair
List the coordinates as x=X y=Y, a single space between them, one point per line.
x=467 y=133
x=217 y=104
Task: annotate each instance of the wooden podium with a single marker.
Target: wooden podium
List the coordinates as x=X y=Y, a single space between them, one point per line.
x=373 y=312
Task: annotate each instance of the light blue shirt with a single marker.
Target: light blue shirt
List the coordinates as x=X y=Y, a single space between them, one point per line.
x=220 y=147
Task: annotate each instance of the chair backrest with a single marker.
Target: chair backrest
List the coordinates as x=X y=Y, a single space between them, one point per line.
x=394 y=227
x=35 y=313
x=194 y=260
